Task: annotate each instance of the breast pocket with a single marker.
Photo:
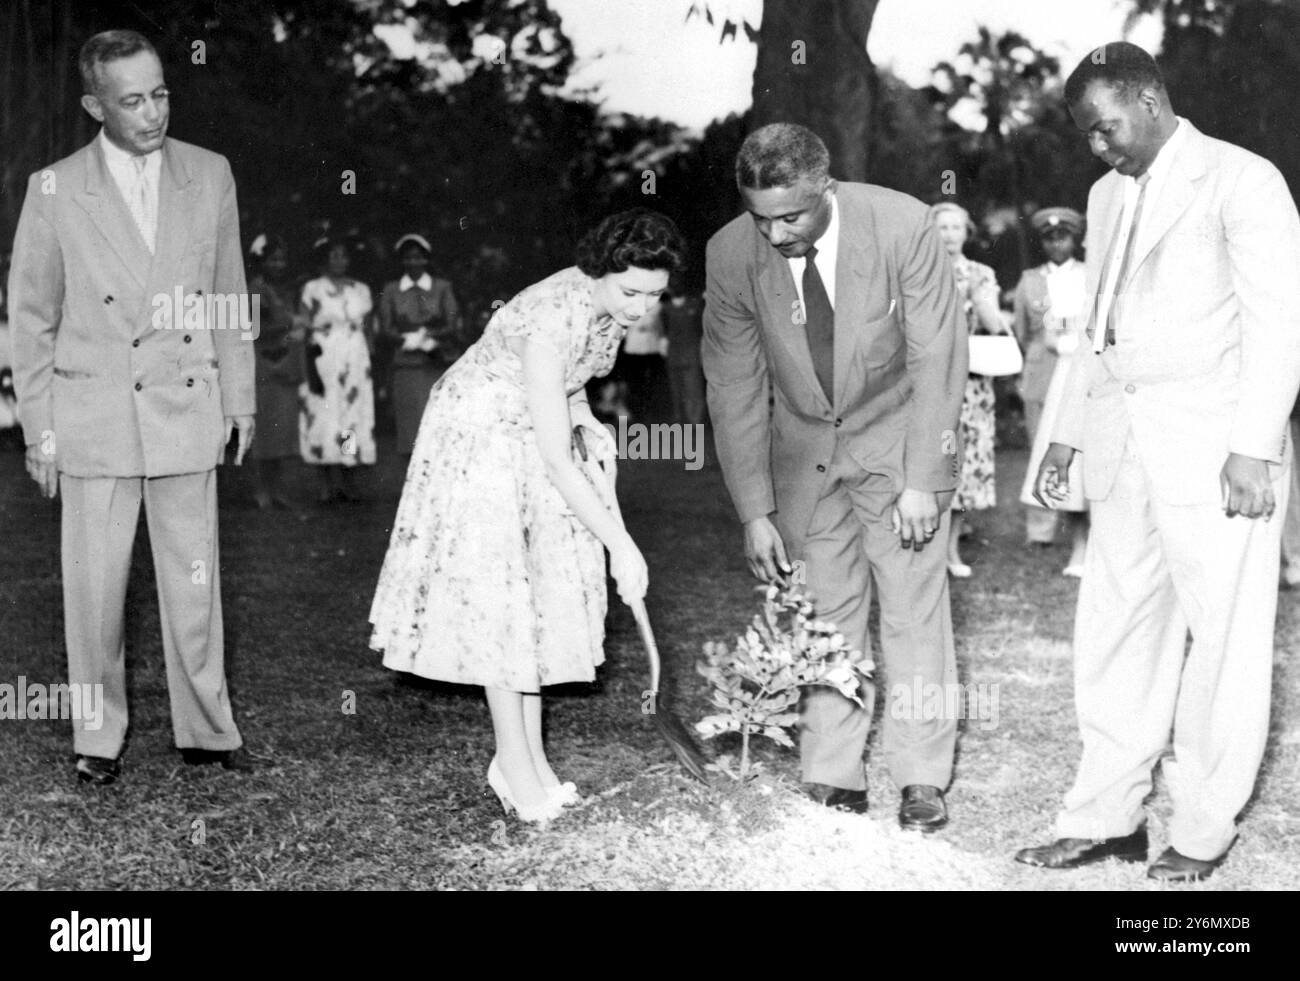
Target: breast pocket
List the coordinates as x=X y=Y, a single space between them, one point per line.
x=881 y=341
x=200 y=262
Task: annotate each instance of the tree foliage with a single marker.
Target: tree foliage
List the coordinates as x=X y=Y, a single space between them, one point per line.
x=381 y=116
x=1008 y=142
x=1233 y=69
x=812 y=69
x=448 y=116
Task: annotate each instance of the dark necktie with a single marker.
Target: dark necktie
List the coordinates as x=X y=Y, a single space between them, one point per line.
x=820 y=325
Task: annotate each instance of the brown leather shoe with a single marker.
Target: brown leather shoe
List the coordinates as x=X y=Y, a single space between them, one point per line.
x=1174 y=866
x=922 y=808
x=98 y=770
x=849 y=801
x=1071 y=853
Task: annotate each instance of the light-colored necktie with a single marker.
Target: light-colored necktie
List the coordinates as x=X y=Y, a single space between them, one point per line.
x=143 y=203
x=1127 y=242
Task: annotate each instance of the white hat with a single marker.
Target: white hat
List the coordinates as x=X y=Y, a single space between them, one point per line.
x=419 y=240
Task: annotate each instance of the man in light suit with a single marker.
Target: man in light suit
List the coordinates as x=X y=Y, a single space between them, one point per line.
x=125 y=396
x=1180 y=411
x=839 y=299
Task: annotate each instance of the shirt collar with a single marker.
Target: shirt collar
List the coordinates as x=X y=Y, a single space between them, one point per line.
x=1165 y=156
x=831 y=237
x=119 y=159
x=1052 y=269
x=425 y=282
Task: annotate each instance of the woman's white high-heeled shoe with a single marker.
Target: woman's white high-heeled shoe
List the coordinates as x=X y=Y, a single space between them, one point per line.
x=566 y=793
x=548 y=810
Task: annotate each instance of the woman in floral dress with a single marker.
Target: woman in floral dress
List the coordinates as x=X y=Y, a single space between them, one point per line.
x=495 y=572
x=337 y=430
x=978 y=287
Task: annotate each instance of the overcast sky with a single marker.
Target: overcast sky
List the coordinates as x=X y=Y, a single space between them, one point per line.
x=655 y=64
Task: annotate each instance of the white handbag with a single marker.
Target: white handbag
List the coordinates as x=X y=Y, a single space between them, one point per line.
x=995 y=355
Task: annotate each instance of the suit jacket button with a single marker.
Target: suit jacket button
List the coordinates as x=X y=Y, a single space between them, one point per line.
x=821 y=468
x=138 y=386
x=188 y=338
x=839 y=423
x=1130 y=389
x=189 y=382
x=136 y=342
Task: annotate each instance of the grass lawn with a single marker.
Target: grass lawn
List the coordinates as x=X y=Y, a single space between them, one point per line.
x=394 y=795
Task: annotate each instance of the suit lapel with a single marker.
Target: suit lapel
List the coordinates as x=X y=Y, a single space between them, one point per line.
x=103 y=203
x=176 y=193
x=852 y=295
x=776 y=283
x=1175 y=197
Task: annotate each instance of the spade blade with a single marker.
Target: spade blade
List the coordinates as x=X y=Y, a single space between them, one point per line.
x=669 y=725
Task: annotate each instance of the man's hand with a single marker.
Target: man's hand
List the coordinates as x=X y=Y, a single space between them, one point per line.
x=1052 y=485
x=245 y=425
x=915 y=516
x=43 y=468
x=1247 y=491
x=764 y=551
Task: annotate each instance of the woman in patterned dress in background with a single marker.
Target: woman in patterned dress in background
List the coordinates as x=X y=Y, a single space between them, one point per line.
x=337 y=430
x=978 y=287
x=495 y=572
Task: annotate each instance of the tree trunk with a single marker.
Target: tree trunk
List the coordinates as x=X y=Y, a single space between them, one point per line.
x=813 y=69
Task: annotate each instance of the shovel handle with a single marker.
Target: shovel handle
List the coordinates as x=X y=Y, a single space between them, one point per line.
x=605 y=490
x=647 y=639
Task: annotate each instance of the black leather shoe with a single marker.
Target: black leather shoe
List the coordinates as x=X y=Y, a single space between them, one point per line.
x=850 y=801
x=230 y=759
x=922 y=808
x=1174 y=866
x=98 y=770
x=1070 y=853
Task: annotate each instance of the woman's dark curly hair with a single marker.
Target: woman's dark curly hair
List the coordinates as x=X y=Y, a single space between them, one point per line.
x=640 y=237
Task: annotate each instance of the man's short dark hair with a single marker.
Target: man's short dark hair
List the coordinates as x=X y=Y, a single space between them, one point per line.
x=108 y=46
x=781 y=155
x=1125 y=67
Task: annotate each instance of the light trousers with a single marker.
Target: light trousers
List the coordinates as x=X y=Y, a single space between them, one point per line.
x=1155 y=572
x=100 y=515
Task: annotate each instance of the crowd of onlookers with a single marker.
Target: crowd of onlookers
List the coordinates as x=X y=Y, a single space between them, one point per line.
x=341 y=353
x=1046 y=317
x=334 y=363
x=1038 y=334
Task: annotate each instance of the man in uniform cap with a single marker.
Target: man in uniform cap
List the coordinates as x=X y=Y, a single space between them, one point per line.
x=1051 y=219
x=1048 y=301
